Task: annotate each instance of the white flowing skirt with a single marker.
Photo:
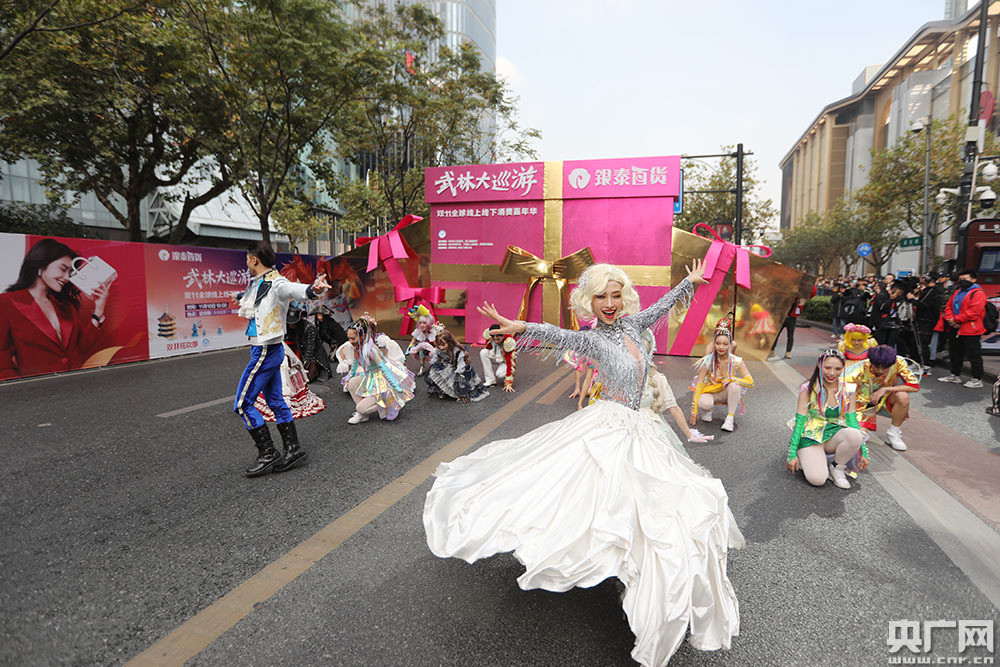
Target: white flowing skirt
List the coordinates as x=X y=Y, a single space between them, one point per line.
x=601 y=493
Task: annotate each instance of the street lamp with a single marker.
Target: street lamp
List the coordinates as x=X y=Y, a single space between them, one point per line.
x=925 y=124
x=987 y=174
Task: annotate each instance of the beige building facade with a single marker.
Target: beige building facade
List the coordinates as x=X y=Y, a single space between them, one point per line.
x=930 y=75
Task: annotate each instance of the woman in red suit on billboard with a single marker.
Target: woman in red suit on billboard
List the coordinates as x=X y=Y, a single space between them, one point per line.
x=45 y=326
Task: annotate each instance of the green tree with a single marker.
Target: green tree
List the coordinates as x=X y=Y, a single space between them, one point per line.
x=713 y=208
x=895 y=188
x=117 y=108
x=363 y=203
x=41 y=219
x=428 y=106
x=843 y=232
x=805 y=245
x=285 y=69
x=22 y=18
x=297 y=220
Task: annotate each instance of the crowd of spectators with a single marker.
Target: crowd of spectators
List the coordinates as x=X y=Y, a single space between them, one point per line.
x=919 y=316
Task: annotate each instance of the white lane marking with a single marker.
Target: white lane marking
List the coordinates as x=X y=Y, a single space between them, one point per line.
x=967 y=540
x=199 y=406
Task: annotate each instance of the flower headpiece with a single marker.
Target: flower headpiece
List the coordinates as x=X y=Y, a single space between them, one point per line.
x=857 y=328
x=831 y=352
x=436 y=329
x=821 y=395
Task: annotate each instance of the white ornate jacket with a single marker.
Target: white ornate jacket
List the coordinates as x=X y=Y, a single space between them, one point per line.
x=267 y=305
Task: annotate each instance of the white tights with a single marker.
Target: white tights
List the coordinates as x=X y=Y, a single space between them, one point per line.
x=730 y=396
x=363 y=404
x=812 y=459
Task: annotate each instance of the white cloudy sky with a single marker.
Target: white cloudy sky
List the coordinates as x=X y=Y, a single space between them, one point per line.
x=630 y=78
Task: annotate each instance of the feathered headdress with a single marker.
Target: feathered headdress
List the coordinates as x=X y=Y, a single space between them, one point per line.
x=724 y=328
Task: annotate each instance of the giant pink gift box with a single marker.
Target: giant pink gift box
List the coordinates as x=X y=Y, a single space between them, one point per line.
x=621 y=209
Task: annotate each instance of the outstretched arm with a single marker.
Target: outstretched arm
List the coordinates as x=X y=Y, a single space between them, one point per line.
x=563 y=339
x=683 y=290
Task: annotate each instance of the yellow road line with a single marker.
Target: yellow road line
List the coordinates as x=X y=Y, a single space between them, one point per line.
x=558 y=391
x=195 y=634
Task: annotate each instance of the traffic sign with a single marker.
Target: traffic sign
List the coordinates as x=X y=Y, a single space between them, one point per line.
x=911 y=242
x=865 y=249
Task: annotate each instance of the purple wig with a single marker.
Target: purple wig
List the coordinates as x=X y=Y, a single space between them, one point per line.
x=882 y=356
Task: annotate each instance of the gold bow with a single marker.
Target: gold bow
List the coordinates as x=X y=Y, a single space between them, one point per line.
x=520 y=263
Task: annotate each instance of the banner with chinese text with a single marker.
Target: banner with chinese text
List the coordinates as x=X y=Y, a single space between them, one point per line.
x=156 y=301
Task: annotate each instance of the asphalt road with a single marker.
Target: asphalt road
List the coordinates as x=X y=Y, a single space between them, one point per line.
x=120 y=526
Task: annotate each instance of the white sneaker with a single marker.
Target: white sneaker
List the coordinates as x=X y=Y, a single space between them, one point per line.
x=706 y=417
x=357 y=418
x=489 y=383
x=974 y=384
x=420 y=371
x=839 y=477
x=954 y=379
x=894 y=437
x=728 y=424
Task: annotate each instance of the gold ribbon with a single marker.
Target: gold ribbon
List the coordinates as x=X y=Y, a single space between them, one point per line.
x=519 y=263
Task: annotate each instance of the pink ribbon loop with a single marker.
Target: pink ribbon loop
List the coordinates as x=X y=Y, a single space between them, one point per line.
x=387 y=250
x=389 y=246
x=714 y=257
x=718 y=259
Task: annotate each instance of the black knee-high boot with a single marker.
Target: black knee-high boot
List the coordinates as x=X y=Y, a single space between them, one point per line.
x=267 y=455
x=290 y=441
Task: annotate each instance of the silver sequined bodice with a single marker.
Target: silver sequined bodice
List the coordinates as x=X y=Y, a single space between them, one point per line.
x=617 y=348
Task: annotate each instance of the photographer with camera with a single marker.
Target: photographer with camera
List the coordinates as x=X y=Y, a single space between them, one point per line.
x=927 y=300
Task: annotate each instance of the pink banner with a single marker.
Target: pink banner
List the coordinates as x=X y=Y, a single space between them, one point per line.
x=484 y=183
x=480 y=234
x=622 y=177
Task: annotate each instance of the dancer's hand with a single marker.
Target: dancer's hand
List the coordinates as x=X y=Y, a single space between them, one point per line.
x=320 y=285
x=863 y=465
x=507 y=326
x=699 y=437
x=508 y=387
x=696 y=272
x=793 y=465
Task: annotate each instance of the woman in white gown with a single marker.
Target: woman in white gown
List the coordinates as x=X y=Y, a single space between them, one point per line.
x=602 y=492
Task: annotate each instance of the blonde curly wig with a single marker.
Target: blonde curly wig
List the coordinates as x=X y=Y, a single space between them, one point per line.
x=595 y=281
x=658 y=385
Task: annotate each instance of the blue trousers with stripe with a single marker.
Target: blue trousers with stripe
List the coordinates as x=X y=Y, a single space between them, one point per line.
x=262 y=375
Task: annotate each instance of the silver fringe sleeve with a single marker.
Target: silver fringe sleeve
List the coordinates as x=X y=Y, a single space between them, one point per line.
x=558 y=339
x=651 y=316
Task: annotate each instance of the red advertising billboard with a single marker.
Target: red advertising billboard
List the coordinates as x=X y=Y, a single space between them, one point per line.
x=69 y=304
